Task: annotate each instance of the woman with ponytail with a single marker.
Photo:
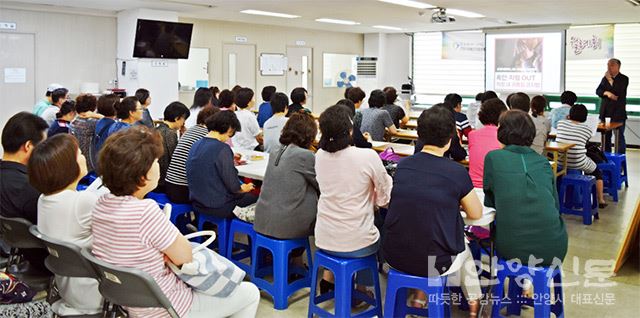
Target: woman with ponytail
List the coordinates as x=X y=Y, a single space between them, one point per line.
x=352 y=183
x=62 y=124
x=542 y=123
x=129 y=111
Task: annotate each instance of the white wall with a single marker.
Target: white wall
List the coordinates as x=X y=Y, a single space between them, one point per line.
x=161 y=81
x=273 y=39
x=70 y=49
x=393 y=51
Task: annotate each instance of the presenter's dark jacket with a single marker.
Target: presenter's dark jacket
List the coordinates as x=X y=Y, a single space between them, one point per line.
x=612 y=108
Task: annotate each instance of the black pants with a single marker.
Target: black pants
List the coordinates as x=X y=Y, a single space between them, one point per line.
x=177 y=193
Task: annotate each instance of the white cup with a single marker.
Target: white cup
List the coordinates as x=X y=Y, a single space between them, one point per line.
x=607 y=121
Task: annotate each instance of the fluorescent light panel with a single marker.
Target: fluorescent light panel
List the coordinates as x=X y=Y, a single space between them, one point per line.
x=336 y=21
x=410 y=3
x=386 y=27
x=270 y=14
x=464 y=13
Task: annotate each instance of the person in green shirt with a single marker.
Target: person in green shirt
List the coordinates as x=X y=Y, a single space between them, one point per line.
x=44 y=103
x=520 y=185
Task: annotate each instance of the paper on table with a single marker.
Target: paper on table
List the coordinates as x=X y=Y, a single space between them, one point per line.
x=592 y=122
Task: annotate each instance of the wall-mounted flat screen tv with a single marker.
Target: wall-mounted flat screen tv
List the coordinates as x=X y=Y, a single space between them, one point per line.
x=163 y=40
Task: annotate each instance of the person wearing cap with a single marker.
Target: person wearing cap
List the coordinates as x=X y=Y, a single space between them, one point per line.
x=44 y=103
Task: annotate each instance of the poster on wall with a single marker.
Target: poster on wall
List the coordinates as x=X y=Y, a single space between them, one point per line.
x=463 y=46
x=519 y=63
x=590 y=43
x=339 y=70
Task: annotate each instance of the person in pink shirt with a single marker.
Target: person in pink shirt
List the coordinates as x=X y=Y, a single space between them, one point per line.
x=485 y=139
x=352 y=181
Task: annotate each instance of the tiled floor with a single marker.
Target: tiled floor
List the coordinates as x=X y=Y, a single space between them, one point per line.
x=590 y=247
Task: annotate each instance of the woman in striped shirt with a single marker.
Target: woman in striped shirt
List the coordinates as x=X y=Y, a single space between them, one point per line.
x=575 y=131
x=131 y=231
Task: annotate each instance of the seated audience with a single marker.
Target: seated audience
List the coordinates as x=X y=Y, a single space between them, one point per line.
x=356 y=95
x=128 y=111
x=485 y=139
x=568 y=99
x=298 y=100
x=542 y=123
x=201 y=99
x=352 y=183
x=174 y=117
x=106 y=108
x=488 y=95
x=288 y=203
x=250 y=137
x=520 y=184
x=62 y=124
x=145 y=100
x=214 y=186
x=359 y=140
x=131 y=231
x=84 y=126
x=264 y=111
x=519 y=101
x=18 y=199
x=462 y=122
x=226 y=100
x=44 y=103
x=58 y=96
x=472 y=112
x=397 y=113
x=215 y=92
x=176 y=186
x=424 y=222
x=375 y=120
x=55 y=167
x=456 y=151
x=274 y=125
x=574 y=130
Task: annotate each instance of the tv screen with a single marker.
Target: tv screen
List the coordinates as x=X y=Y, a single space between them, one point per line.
x=161 y=39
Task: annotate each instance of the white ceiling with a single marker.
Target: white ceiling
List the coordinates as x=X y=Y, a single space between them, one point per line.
x=367 y=12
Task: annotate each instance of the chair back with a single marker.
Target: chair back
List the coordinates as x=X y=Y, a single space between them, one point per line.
x=64 y=258
x=128 y=287
x=15 y=233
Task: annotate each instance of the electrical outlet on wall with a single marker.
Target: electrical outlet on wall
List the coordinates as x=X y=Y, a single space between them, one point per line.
x=159 y=63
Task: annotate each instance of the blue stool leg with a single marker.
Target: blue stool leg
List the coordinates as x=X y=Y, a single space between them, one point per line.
x=280 y=278
x=558 y=306
x=437 y=304
x=587 y=205
x=542 y=293
x=314 y=285
x=376 y=284
x=344 y=286
x=626 y=176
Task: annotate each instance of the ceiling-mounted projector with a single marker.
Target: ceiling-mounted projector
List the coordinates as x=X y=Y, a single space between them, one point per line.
x=440 y=16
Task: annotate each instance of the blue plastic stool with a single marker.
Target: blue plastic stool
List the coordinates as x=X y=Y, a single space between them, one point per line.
x=541 y=277
x=280 y=289
x=245 y=251
x=179 y=212
x=222 y=231
x=584 y=188
x=343 y=271
x=396 y=299
x=620 y=160
x=610 y=176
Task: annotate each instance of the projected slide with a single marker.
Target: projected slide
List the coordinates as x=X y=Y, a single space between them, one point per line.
x=524 y=62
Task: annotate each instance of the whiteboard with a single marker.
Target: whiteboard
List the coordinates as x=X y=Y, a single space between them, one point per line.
x=194 y=69
x=273 y=64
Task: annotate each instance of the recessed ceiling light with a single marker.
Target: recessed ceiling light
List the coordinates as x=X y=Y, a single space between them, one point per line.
x=336 y=21
x=464 y=13
x=386 y=27
x=271 y=14
x=410 y=3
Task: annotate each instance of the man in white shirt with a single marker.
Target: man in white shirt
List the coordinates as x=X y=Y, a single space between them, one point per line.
x=274 y=125
x=58 y=96
x=250 y=136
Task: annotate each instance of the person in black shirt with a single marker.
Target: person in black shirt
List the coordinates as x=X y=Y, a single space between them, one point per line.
x=455 y=152
x=18 y=199
x=613 y=91
x=359 y=140
x=298 y=100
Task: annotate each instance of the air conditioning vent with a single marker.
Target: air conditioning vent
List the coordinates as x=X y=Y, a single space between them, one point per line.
x=367 y=66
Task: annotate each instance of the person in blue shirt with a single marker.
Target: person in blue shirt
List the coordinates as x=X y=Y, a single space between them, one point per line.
x=129 y=111
x=264 y=111
x=62 y=124
x=214 y=186
x=106 y=108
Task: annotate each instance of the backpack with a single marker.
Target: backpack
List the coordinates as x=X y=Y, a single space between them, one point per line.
x=99 y=139
x=14 y=291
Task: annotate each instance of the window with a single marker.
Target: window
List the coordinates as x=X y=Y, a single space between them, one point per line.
x=434 y=75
